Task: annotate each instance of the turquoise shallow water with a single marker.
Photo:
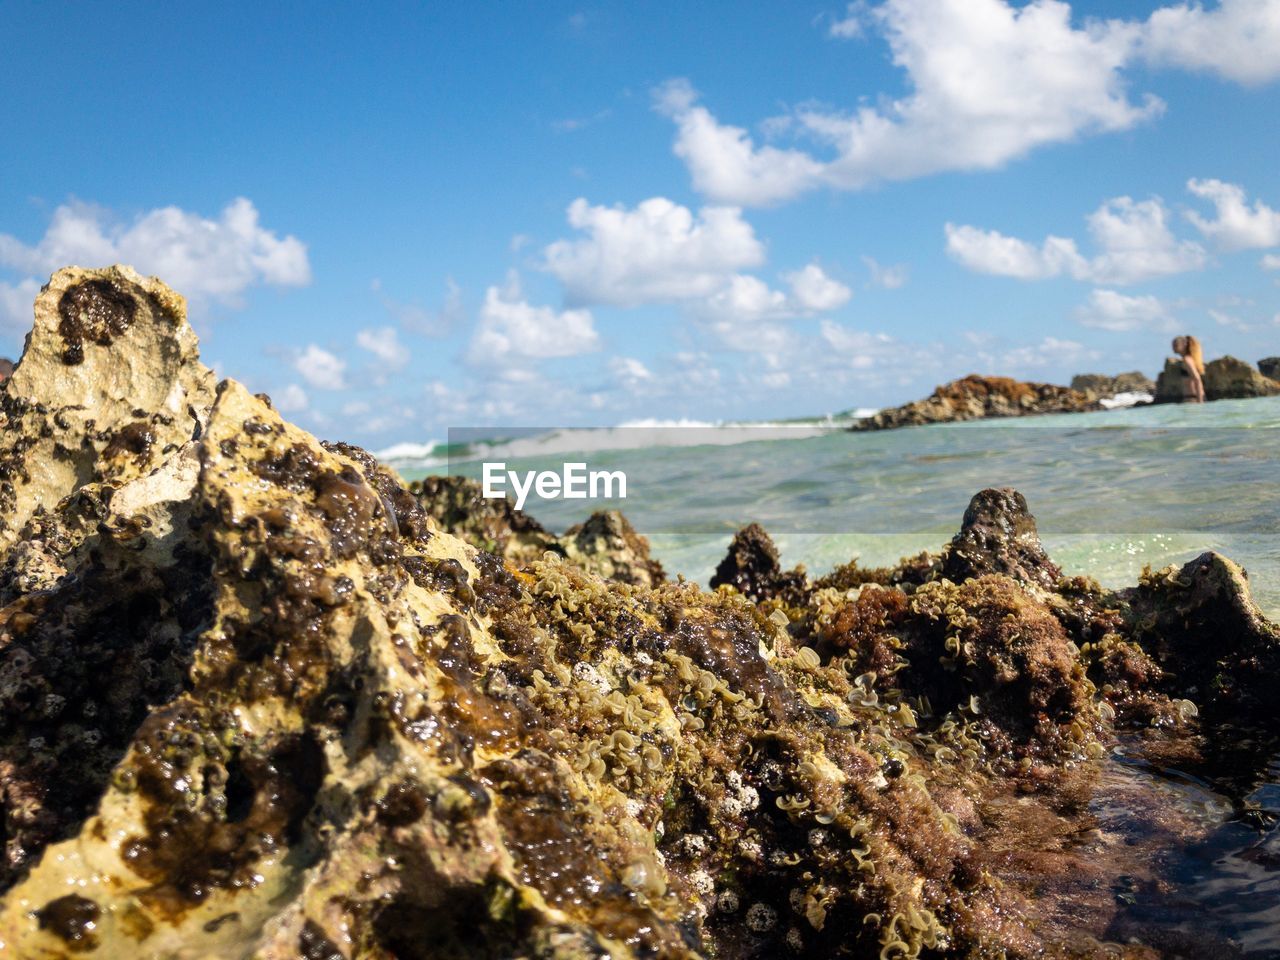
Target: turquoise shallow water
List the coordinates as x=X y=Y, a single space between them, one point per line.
x=1112 y=491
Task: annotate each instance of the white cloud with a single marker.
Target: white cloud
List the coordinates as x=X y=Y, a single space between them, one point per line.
x=658 y=251
x=384 y=343
x=428 y=323
x=1271 y=261
x=201 y=258
x=1133 y=238
x=1049 y=352
x=887 y=277
x=1224 y=319
x=292 y=399
x=1235 y=225
x=1238 y=39
x=851 y=25
x=725 y=163
x=320 y=368
x=746 y=312
x=989 y=81
x=630 y=370
x=813 y=291
x=511 y=330
x=1109 y=310
x=16 y=303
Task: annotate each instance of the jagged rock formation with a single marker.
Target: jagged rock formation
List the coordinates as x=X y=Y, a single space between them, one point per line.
x=1224 y=379
x=605 y=544
x=1102 y=386
x=255 y=703
x=1270 y=367
x=976 y=397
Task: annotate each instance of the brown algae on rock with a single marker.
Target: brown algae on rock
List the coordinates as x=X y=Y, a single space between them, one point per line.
x=258 y=702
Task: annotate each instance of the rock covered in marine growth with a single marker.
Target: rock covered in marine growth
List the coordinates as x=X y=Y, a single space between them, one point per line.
x=269 y=709
x=1224 y=379
x=999 y=535
x=753 y=568
x=604 y=544
x=976 y=398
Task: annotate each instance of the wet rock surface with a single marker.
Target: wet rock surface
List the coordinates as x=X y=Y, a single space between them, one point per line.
x=976 y=398
x=258 y=702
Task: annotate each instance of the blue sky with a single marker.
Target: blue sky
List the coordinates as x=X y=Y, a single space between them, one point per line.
x=399 y=218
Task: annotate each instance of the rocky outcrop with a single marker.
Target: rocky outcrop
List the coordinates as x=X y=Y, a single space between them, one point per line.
x=976 y=398
x=1224 y=379
x=605 y=544
x=255 y=702
x=1101 y=385
x=753 y=568
x=1230 y=379
x=1269 y=367
x=999 y=535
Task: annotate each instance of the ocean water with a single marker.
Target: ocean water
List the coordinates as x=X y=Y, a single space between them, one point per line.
x=1112 y=491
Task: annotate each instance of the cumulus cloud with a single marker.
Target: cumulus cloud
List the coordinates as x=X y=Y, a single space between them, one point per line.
x=384 y=343
x=1133 y=239
x=1235 y=225
x=747 y=299
x=511 y=330
x=1109 y=310
x=1271 y=261
x=16 y=302
x=418 y=319
x=630 y=371
x=216 y=259
x=658 y=251
x=1237 y=39
x=292 y=399
x=989 y=81
x=813 y=291
x=887 y=277
x=851 y=25
x=320 y=368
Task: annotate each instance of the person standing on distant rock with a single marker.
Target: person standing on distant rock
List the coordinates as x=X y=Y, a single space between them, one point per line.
x=1188 y=348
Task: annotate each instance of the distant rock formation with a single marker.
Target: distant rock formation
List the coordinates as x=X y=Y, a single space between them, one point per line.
x=1270 y=367
x=976 y=398
x=1224 y=379
x=605 y=544
x=1103 y=386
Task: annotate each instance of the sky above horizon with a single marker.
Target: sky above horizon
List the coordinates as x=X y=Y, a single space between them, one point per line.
x=402 y=218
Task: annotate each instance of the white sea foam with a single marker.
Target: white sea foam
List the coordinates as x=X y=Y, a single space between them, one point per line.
x=1121 y=400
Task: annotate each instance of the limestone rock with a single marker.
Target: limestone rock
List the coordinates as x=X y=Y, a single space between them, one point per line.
x=1230 y=379
x=1101 y=385
x=1270 y=367
x=976 y=398
x=109 y=385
